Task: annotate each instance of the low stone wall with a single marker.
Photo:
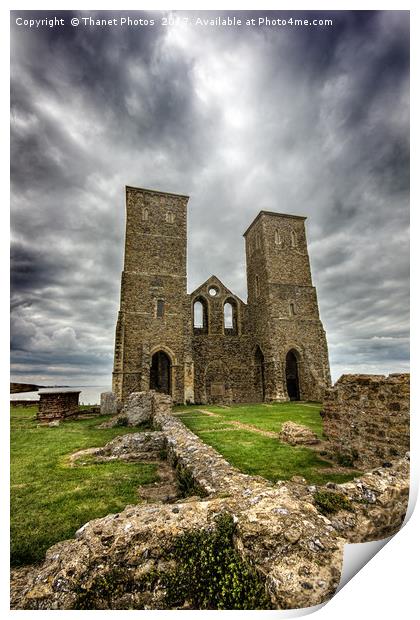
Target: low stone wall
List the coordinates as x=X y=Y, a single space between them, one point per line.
x=58 y=405
x=24 y=403
x=291 y=534
x=366 y=418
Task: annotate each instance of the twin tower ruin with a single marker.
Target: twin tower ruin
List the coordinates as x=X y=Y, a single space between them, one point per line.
x=209 y=346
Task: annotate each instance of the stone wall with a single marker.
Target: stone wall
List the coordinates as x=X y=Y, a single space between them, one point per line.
x=283 y=531
x=366 y=418
x=24 y=403
x=58 y=405
x=154 y=272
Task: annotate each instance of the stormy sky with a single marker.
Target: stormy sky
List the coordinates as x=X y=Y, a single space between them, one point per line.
x=304 y=120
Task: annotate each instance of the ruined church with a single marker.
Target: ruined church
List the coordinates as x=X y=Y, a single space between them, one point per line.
x=209 y=346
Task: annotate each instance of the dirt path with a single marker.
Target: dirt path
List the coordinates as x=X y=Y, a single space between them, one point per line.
x=240 y=425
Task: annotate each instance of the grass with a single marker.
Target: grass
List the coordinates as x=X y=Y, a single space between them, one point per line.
x=257 y=454
x=49 y=499
x=271 y=417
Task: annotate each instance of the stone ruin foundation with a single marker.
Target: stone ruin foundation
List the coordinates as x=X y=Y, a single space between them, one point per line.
x=58 y=405
x=285 y=532
x=367 y=419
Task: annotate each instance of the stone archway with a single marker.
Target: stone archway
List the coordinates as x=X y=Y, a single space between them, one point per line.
x=292 y=375
x=160 y=372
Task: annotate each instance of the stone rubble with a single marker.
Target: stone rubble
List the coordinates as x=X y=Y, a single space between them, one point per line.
x=137 y=409
x=110 y=405
x=297 y=434
x=296 y=550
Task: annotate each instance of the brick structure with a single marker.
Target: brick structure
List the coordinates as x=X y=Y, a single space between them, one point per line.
x=367 y=419
x=58 y=405
x=209 y=346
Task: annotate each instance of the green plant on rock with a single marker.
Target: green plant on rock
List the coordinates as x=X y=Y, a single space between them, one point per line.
x=328 y=502
x=210 y=573
x=186 y=483
x=108 y=587
x=346 y=460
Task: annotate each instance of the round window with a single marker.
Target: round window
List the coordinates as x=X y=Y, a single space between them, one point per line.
x=213 y=291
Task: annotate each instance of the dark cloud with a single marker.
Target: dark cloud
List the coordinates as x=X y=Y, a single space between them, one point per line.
x=311 y=121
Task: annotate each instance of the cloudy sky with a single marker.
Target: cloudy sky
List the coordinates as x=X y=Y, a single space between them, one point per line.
x=305 y=120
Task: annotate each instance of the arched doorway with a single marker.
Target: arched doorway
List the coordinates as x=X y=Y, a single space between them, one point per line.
x=292 y=376
x=160 y=373
x=259 y=374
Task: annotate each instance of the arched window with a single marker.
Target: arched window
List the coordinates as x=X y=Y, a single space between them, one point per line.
x=230 y=317
x=277 y=237
x=292 y=308
x=294 y=239
x=145 y=215
x=170 y=217
x=200 y=316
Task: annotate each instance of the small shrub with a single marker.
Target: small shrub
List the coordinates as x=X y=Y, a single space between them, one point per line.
x=122 y=421
x=345 y=460
x=186 y=483
x=163 y=454
x=210 y=573
x=328 y=502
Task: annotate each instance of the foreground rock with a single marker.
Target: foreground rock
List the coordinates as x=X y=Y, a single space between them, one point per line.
x=290 y=535
x=110 y=405
x=137 y=410
x=297 y=434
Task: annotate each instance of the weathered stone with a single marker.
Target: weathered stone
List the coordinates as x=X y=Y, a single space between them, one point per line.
x=137 y=409
x=110 y=405
x=296 y=551
x=362 y=421
x=133 y=447
x=297 y=434
x=58 y=405
x=272 y=348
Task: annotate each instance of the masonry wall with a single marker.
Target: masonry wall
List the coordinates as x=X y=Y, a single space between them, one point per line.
x=283 y=305
x=57 y=405
x=367 y=419
x=154 y=273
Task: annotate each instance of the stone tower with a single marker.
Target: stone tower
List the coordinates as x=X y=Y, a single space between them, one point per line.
x=209 y=346
x=291 y=355
x=152 y=341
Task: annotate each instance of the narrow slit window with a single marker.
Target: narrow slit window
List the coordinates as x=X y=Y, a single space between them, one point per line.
x=145 y=215
x=292 y=309
x=277 y=238
x=160 y=308
x=294 y=239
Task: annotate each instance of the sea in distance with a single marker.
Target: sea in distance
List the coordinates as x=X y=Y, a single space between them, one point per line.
x=89 y=394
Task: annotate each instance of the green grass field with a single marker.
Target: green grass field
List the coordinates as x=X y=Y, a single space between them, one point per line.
x=254 y=453
x=49 y=499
